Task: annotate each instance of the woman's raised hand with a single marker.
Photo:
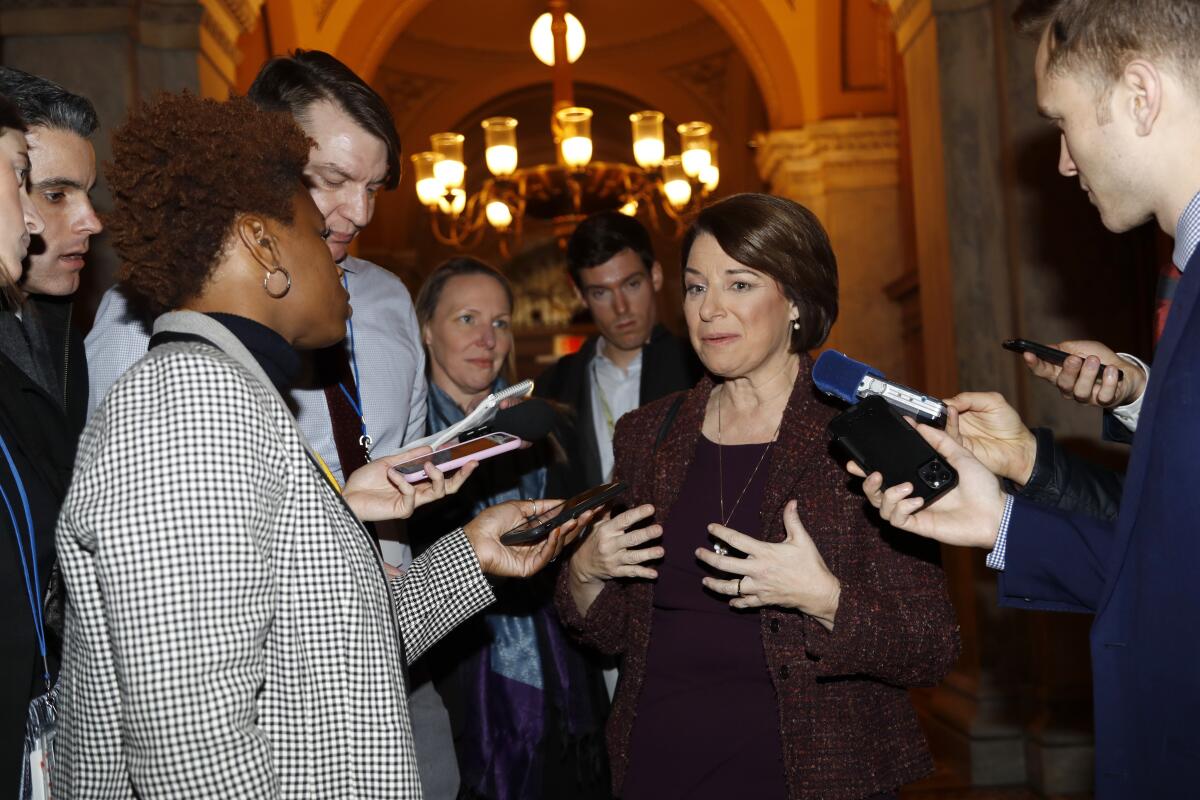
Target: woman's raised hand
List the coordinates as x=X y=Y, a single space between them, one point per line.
x=610 y=551
x=787 y=574
x=377 y=492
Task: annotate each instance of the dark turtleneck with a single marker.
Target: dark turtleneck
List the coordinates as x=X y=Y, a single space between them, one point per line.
x=277 y=358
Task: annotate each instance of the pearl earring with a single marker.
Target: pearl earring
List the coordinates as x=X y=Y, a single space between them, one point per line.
x=795 y=324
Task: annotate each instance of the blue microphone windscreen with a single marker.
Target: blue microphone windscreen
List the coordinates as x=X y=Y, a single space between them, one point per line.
x=839 y=375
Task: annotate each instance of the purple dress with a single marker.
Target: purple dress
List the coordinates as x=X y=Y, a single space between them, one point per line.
x=707 y=722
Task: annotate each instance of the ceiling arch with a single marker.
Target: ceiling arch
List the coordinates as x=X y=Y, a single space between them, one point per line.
x=778 y=39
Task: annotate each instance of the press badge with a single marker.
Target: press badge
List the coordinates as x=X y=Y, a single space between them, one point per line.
x=39 y=750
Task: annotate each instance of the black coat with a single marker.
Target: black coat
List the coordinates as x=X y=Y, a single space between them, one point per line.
x=41 y=432
x=1062 y=480
x=668 y=365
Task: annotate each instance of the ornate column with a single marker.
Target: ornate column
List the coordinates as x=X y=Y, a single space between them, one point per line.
x=847 y=172
x=224 y=22
x=953 y=112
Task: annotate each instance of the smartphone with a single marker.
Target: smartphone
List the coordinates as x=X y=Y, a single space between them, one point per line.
x=453 y=457
x=1050 y=354
x=538 y=527
x=880 y=440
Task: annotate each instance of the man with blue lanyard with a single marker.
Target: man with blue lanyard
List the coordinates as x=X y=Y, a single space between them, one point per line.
x=43 y=405
x=1120 y=79
x=366 y=395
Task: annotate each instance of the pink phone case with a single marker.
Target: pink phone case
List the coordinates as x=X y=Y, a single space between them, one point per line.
x=510 y=443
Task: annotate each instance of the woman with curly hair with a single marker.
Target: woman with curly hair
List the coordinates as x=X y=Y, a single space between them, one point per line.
x=230 y=628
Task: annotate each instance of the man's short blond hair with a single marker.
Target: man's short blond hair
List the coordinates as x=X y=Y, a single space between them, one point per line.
x=1101 y=37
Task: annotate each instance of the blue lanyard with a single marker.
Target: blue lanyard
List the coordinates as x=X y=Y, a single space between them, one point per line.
x=355 y=400
x=33 y=586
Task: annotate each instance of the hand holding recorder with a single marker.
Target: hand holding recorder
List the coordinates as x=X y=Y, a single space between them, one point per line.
x=994 y=433
x=969 y=515
x=873 y=431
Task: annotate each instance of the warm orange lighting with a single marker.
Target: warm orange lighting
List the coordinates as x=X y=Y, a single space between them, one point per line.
x=541 y=39
x=575 y=126
x=429 y=188
x=694 y=140
x=648 y=149
x=500 y=143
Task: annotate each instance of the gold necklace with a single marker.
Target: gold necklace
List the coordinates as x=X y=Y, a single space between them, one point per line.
x=719 y=548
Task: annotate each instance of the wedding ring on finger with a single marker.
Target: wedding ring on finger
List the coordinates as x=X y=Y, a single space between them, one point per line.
x=739 y=585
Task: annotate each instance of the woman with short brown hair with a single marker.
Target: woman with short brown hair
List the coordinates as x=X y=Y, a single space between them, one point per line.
x=795 y=687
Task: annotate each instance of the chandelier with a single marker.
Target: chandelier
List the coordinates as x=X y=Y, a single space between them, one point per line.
x=669 y=189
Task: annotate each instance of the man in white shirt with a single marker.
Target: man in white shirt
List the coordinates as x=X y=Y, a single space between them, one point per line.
x=633 y=361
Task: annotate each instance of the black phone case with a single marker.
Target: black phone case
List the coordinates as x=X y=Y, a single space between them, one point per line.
x=880 y=440
x=570 y=510
x=1045 y=353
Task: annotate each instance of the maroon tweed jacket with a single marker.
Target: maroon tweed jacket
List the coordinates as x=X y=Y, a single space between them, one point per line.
x=848 y=728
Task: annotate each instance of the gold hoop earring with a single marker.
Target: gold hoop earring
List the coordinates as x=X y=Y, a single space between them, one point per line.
x=267 y=283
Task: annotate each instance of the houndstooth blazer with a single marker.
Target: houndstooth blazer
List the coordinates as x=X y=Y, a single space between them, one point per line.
x=230 y=632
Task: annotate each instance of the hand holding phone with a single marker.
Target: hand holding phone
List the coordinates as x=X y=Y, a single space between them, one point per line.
x=1053 y=355
x=1084 y=381
x=538 y=527
x=879 y=440
x=453 y=457
x=499 y=559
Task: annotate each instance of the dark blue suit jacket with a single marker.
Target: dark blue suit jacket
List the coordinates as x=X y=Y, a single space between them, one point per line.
x=1139 y=576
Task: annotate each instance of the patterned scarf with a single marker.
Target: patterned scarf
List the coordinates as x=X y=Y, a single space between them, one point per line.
x=526 y=665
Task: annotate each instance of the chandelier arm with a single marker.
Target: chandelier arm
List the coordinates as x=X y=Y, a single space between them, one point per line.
x=652 y=212
x=435 y=225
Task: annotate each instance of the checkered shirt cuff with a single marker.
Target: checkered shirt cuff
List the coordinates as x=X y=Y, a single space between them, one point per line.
x=995 y=559
x=1128 y=414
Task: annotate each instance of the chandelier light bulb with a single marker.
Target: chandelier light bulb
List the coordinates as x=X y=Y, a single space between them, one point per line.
x=429 y=189
x=695 y=162
x=499 y=215
x=575 y=127
x=629 y=209
x=450 y=173
x=577 y=151
x=500 y=145
x=675 y=185
x=501 y=160
x=678 y=192
x=648 y=153
x=694 y=139
x=450 y=170
x=541 y=39
x=710 y=175
x=648 y=147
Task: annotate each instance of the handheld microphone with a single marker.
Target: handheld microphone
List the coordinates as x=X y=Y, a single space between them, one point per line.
x=838 y=375
x=484 y=413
